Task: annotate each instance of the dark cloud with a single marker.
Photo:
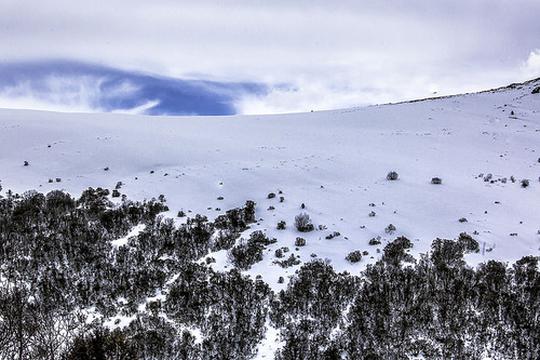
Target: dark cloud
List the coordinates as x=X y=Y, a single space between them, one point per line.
x=94 y=87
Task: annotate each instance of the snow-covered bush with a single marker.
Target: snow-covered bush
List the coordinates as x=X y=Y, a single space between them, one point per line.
x=468 y=243
x=436 y=181
x=279 y=252
x=394 y=252
x=303 y=223
x=390 y=229
x=332 y=235
x=392 y=175
x=290 y=261
x=300 y=242
x=249 y=252
x=281 y=225
x=354 y=256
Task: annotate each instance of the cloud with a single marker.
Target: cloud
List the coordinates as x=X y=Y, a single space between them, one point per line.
x=332 y=53
x=531 y=68
x=82 y=87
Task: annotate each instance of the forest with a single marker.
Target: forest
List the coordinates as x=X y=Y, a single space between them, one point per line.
x=62 y=277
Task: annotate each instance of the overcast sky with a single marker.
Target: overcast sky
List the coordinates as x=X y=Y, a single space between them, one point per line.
x=309 y=54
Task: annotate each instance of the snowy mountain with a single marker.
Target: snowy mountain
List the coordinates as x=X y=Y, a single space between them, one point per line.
x=331 y=165
x=334 y=162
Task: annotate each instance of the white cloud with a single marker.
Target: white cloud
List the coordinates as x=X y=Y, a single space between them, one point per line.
x=531 y=68
x=336 y=53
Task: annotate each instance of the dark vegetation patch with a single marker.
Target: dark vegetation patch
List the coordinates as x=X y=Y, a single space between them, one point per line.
x=58 y=261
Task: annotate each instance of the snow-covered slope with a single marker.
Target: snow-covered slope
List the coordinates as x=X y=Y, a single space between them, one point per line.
x=334 y=162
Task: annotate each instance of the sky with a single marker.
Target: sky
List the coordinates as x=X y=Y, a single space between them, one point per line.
x=167 y=57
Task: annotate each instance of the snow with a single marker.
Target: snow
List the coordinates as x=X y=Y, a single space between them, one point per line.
x=133 y=232
x=334 y=161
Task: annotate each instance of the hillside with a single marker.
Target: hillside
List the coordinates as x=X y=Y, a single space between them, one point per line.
x=335 y=163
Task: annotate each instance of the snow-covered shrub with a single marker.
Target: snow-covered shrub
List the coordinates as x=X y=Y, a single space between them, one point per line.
x=332 y=235
x=390 y=229
x=303 y=223
x=372 y=214
x=300 y=242
x=536 y=90
x=290 y=261
x=281 y=225
x=394 y=252
x=524 y=183
x=374 y=241
x=392 y=175
x=271 y=195
x=468 y=243
x=354 y=256
x=436 y=181
x=115 y=193
x=279 y=252
x=463 y=220
x=249 y=252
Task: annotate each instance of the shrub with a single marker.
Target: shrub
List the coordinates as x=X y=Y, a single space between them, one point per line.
x=271 y=195
x=536 y=90
x=436 y=181
x=290 y=261
x=181 y=213
x=524 y=183
x=354 y=256
x=281 y=225
x=372 y=214
x=279 y=252
x=115 y=193
x=468 y=243
x=303 y=223
x=390 y=229
x=374 y=241
x=394 y=252
x=332 y=235
x=463 y=220
x=249 y=252
x=392 y=175
x=300 y=242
